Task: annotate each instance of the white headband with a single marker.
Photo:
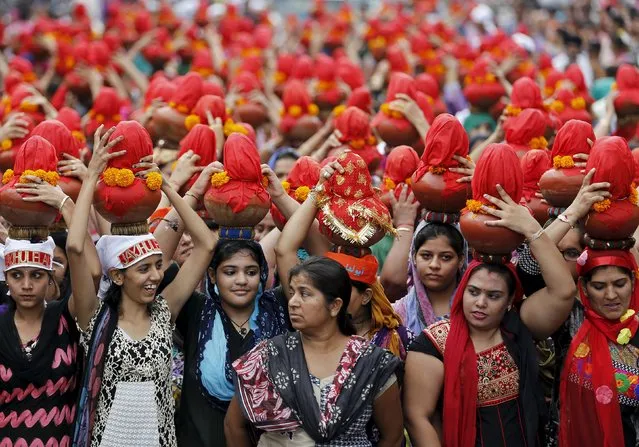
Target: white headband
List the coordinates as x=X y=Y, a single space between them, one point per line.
x=20 y=253
x=121 y=252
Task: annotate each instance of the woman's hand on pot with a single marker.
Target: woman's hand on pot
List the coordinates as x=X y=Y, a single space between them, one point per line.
x=511 y=215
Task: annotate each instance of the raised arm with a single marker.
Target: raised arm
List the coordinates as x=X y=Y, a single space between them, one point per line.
x=545 y=310
x=194 y=268
x=84 y=299
x=297 y=228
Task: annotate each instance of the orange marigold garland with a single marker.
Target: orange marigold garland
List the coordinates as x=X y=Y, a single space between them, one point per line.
x=602 y=206
x=118 y=177
x=474 y=206
x=286 y=185
x=438 y=170
x=512 y=110
x=563 y=162
x=634 y=195
x=219 y=179
x=301 y=193
x=50 y=177
x=5 y=145
x=389 y=184
x=7 y=176
x=154 y=181
x=538 y=143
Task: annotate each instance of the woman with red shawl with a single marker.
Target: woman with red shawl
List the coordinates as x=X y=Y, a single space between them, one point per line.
x=472 y=380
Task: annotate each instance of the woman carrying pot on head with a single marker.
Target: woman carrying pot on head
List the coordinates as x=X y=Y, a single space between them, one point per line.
x=491 y=394
x=126 y=393
x=321 y=384
x=369 y=309
x=234 y=314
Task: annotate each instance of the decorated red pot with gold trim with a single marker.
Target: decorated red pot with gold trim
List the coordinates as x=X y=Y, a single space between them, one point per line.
x=237 y=197
x=36 y=157
x=434 y=185
x=121 y=197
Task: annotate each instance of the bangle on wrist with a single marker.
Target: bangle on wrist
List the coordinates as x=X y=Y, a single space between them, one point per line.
x=62 y=202
x=407 y=230
x=562 y=217
x=406 y=226
x=189 y=193
x=535 y=236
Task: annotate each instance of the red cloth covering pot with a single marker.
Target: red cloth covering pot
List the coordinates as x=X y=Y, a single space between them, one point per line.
x=526 y=131
x=354 y=125
x=246 y=110
x=360 y=98
x=526 y=94
x=304 y=69
x=202 y=63
x=554 y=79
x=397 y=59
x=498 y=165
x=327 y=93
x=391 y=126
x=576 y=77
x=428 y=85
x=105 y=111
x=63 y=141
x=207 y=103
x=36 y=156
x=534 y=164
x=299 y=116
x=200 y=140
x=298 y=184
x=400 y=166
x=482 y=89
x=159 y=88
x=130 y=200
x=351 y=213
x=568 y=107
x=350 y=73
x=560 y=185
x=635 y=155
x=434 y=185
x=627 y=81
x=284 y=68
x=19 y=102
x=616 y=217
x=72 y=120
x=237 y=197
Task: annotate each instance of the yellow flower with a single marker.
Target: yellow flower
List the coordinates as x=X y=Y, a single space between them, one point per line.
x=117 y=117
x=389 y=184
x=52 y=178
x=634 y=195
x=385 y=109
x=468 y=80
x=613 y=86
x=408 y=181
x=557 y=106
x=602 y=206
x=286 y=185
x=301 y=193
x=629 y=313
x=78 y=135
x=582 y=350
x=337 y=111
x=295 y=111
x=41 y=173
x=99 y=118
x=279 y=77
x=109 y=176
x=125 y=178
x=490 y=77
x=182 y=108
x=7 y=176
x=191 y=121
x=371 y=140
x=357 y=143
x=220 y=179
x=438 y=170
x=624 y=336
x=397 y=115
x=578 y=103
x=563 y=162
x=26 y=106
x=474 y=205
x=512 y=110
x=6 y=145
x=313 y=109
x=538 y=143
x=154 y=181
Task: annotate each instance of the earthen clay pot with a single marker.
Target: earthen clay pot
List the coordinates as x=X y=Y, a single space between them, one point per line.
x=485 y=239
x=597 y=225
x=397 y=136
x=253 y=114
x=539 y=210
x=624 y=109
x=224 y=216
x=433 y=195
x=7 y=159
x=128 y=205
x=70 y=186
x=304 y=129
x=25 y=214
x=560 y=186
x=168 y=124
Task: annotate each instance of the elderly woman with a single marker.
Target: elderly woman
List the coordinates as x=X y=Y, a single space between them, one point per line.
x=321 y=384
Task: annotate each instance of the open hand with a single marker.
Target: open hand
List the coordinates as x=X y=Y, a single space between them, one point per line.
x=328 y=171
x=274 y=188
x=101 y=147
x=203 y=182
x=40 y=191
x=185 y=168
x=588 y=195
x=16 y=126
x=405 y=207
x=511 y=215
x=72 y=167
x=467 y=168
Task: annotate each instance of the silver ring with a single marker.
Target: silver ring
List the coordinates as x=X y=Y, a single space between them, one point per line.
x=327 y=175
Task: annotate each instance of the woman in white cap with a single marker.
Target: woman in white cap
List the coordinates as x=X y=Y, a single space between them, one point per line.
x=125 y=397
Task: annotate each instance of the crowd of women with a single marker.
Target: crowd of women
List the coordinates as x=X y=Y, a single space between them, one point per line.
x=402 y=226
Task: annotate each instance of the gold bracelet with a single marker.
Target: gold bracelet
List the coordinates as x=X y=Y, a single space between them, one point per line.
x=189 y=193
x=535 y=236
x=564 y=218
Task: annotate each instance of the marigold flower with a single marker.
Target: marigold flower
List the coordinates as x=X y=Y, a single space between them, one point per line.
x=182 y=108
x=512 y=110
x=582 y=350
x=301 y=193
x=154 y=181
x=634 y=195
x=474 y=206
x=438 y=170
x=313 y=109
x=578 y=103
x=191 y=121
x=124 y=178
x=219 y=179
x=337 y=111
x=389 y=184
x=7 y=176
x=602 y=206
x=6 y=144
x=357 y=143
x=563 y=162
x=295 y=111
x=109 y=176
x=286 y=185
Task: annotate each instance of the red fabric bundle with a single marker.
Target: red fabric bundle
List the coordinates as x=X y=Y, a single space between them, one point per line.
x=428 y=85
x=498 y=165
x=401 y=164
x=571 y=139
x=592 y=416
x=304 y=68
x=59 y=136
x=614 y=164
x=300 y=180
x=11 y=81
x=573 y=74
x=212 y=88
x=200 y=140
x=628 y=86
x=24 y=67
x=213 y=104
x=527 y=130
x=72 y=120
x=526 y=94
x=350 y=207
x=99 y=55
x=159 y=88
x=399 y=83
x=106 y=110
x=263 y=36
x=327 y=90
x=361 y=98
x=242 y=165
x=445 y=138
x=350 y=73
x=202 y=62
x=19 y=103
x=481 y=87
x=534 y=164
x=296 y=102
x=285 y=63
x=397 y=59
x=570 y=106
x=35 y=153
x=246 y=82
x=553 y=80
x=356 y=134
x=188 y=91
x=635 y=155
